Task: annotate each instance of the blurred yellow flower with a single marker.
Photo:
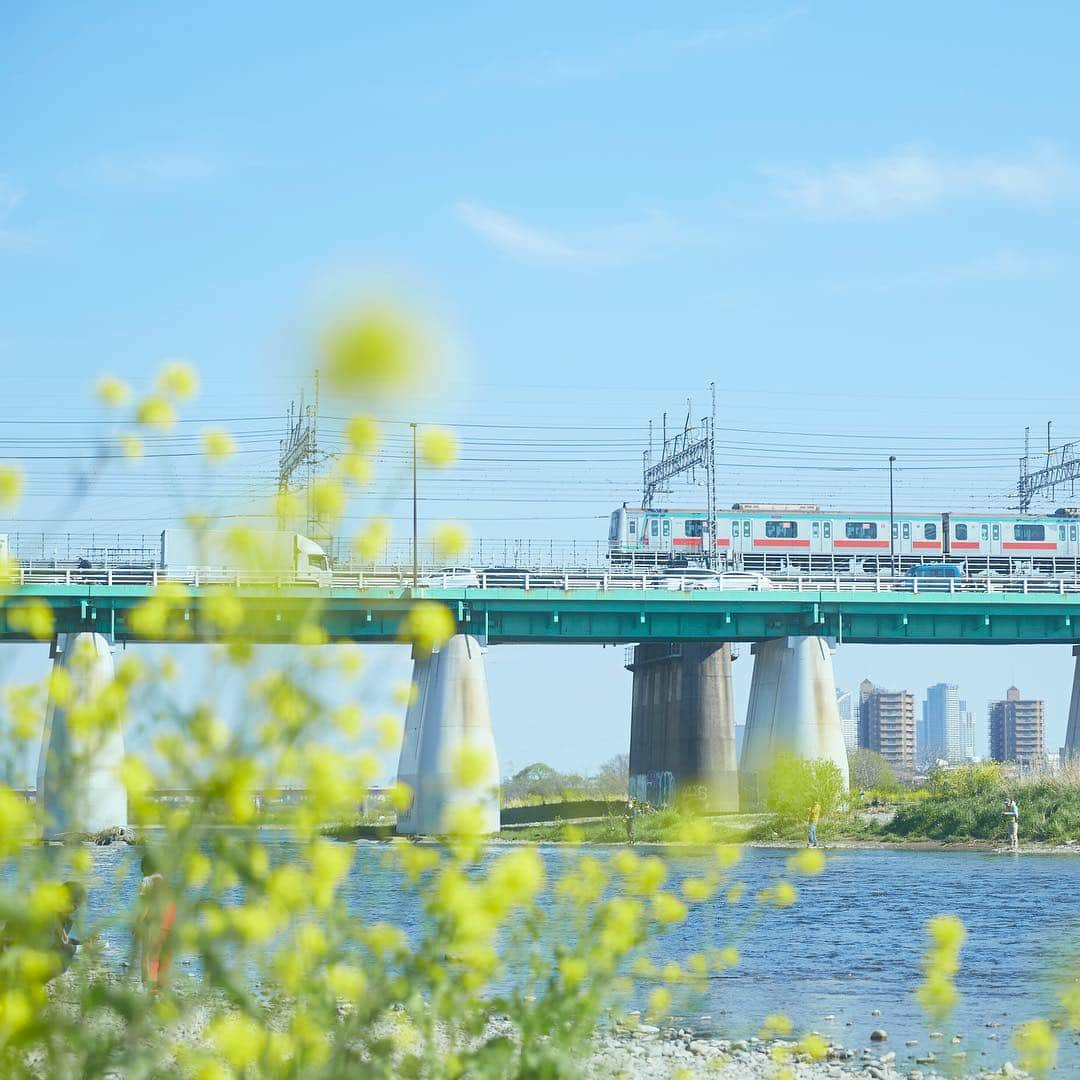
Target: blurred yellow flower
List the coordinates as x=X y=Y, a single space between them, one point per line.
x=668 y=908
x=156 y=412
x=374 y=350
x=33 y=617
x=813 y=1046
x=218 y=445
x=809 y=861
x=328 y=499
x=471 y=765
x=1037 y=1046
x=428 y=625
x=438 y=447
x=178 y=379
x=784 y=894
x=11 y=487
x=371 y=543
x=659 y=1002
x=131 y=446
x=573 y=970
x=238 y=1038
x=775 y=1024
x=450 y=540
x=357 y=469
x=362 y=434
x=112 y=391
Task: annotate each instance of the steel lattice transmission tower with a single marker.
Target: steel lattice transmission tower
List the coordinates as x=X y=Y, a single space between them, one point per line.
x=1062 y=467
x=692 y=449
x=299 y=459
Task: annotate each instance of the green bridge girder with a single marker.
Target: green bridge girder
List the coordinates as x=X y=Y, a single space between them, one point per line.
x=580 y=616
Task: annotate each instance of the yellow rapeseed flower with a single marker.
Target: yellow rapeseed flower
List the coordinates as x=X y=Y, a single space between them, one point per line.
x=374 y=350
x=428 y=625
x=808 y=861
x=438 y=447
x=1037 y=1046
x=131 y=446
x=362 y=433
x=450 y=540
x=659 y=1002
x=156 y=412
x=11 y=487
x=813 y=1046
x=784 y=894
x=371 y=543
x=668 y=908
x=238 y=1038
x=33 y=617
x=16 y=815
x=775 y=1024
x=112 y=392
x=471 y=765
x=357 y=469
x=218 y=445
x=328 y=499
x=573 y=970
x=178 y=379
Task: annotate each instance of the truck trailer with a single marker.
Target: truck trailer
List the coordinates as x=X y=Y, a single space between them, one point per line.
x=246 y=550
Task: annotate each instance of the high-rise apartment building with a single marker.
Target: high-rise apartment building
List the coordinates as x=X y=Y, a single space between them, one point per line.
x=941 y=735
x=849 y=718
x=1018 y=730
x=887 y=723
x=967 y=731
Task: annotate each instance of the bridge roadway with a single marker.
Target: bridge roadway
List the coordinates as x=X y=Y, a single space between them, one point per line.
x=572 y=607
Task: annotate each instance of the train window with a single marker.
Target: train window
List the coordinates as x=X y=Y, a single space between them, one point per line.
x=960 y=531
x=667 y=527
x=907 y=530
x=633 y=526
x=694 y=527
x=815 y=529
x=746 y=529
x=734 y=528
x=1072 y=533
x=984 y=531
x=930 y=531
x=1061 y=532
x=860 y=530
x=1028 y=532
x=997 y=532
x=613 y=529
x=654 y=527
x=781 y=530
x=828 y=530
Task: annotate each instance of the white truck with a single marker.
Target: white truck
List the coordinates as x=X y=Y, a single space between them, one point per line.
x=251 y=550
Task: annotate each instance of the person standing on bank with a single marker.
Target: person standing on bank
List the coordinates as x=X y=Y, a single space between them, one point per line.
x=811 y=824
x=1012 y=812
x=631 y=820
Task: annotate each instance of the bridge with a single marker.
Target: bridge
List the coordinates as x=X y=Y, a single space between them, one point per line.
x=683 y=712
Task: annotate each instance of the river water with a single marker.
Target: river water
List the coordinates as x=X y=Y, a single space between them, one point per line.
x=850 y=945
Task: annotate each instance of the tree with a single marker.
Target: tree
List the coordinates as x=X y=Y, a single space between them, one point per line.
x=794 y=784
x=870 y=771
x=613 y=777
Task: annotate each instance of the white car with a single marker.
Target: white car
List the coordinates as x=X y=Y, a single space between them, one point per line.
x=688 y=578
x=451 y=577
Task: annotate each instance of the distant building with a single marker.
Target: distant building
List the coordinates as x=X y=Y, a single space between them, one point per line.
x=967 y=731
x=1018 y=730
x=849 y=718
x=940 y=731
x=887 y=723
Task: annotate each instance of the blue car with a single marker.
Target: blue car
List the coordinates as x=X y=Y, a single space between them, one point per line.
x=933 y=577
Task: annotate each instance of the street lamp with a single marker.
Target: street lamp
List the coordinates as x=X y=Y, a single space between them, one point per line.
x=892 y=519
x=415 y=573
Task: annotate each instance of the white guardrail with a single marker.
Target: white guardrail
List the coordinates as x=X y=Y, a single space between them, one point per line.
x=566 y=581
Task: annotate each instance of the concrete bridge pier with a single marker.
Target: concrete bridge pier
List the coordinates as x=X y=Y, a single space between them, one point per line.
x=1072 y=733
x=682 y=723
x=78 y=786
x=449 y=714
x=792 y=710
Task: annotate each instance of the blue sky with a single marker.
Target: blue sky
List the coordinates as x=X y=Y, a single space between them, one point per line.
x=860 y=222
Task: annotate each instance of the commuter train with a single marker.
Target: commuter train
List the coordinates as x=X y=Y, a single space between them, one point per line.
x=802 y=536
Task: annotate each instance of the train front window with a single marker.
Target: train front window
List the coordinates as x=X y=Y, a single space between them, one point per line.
x=781 y=530
x=1029 y=532
x=860 y=530
x=960 y=532
x=930 y=531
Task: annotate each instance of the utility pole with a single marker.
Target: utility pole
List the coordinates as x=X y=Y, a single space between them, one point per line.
x=415 y=569
x=892 y=519
x=298 y=453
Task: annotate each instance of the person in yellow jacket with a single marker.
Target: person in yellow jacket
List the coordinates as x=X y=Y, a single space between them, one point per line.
x=811 y=824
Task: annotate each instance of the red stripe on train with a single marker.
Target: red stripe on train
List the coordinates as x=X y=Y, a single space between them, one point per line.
x=861 y=543
x=1048 y=545
x=966 y=545
x=693 y=541
x=934 y=544
x=782 y=543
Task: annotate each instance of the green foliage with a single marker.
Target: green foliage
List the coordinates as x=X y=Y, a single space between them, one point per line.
x=540 y=783
x=794 y=784
x=967 y=780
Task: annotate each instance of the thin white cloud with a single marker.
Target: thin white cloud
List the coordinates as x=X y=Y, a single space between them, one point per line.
x=1003 y=265
x=646 y=53
x=150 y=170
x=603 y=247
x=912 y=182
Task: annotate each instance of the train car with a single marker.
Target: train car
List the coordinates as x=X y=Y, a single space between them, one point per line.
x=1014 y=543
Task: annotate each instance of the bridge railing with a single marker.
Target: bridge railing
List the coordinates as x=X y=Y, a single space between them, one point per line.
x=565 y=581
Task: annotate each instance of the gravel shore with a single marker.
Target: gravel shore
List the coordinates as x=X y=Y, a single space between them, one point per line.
x=651 y=1053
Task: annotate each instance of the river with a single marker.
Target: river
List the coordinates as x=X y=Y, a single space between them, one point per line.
x=851 y=944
